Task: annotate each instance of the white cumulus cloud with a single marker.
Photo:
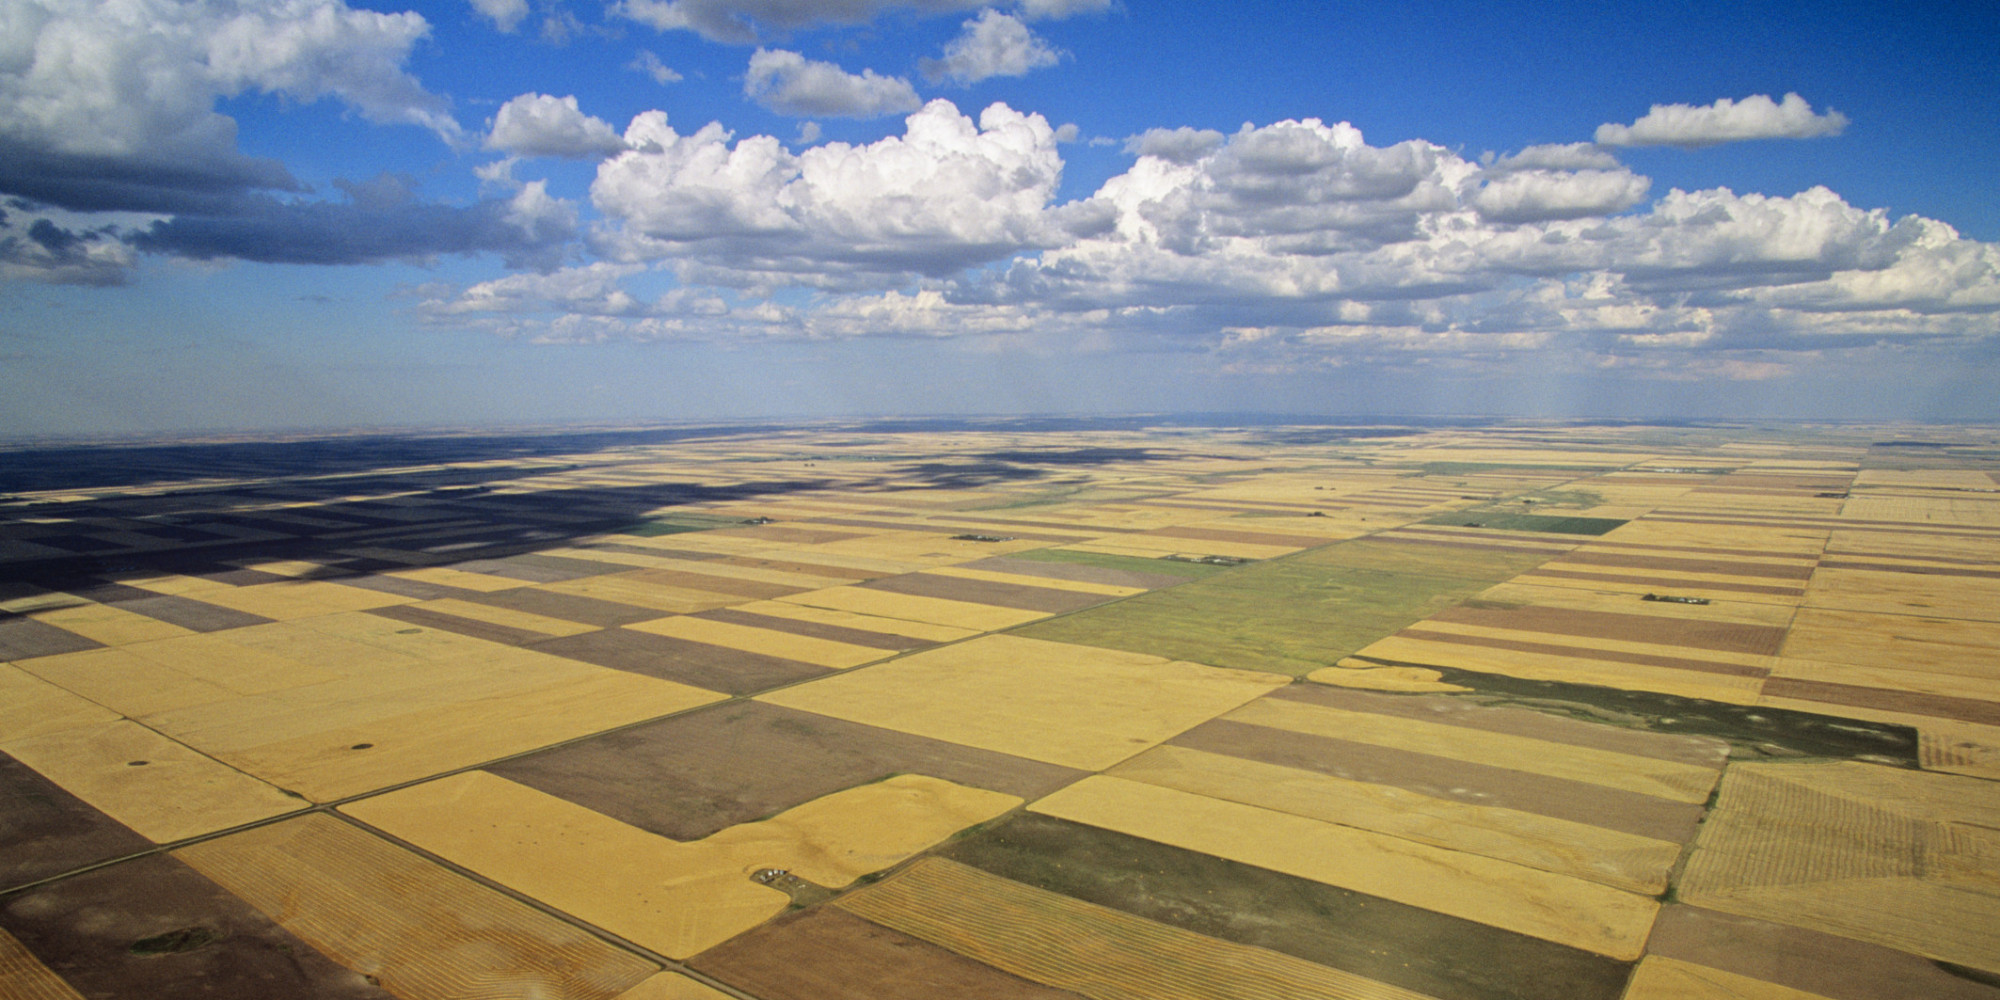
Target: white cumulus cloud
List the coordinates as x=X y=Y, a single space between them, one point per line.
x=791 y=84
x=1539 y=195
x=992 y=44
x=947 y=194
x=110 y=104
x=1754 y=117
x=541 y=125
x=1325 y=247
x=1178 y=145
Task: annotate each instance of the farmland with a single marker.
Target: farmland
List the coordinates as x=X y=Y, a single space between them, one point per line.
x=840 y=711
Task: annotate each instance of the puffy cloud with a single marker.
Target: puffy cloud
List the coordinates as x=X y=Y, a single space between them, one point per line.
x=992 y=44
x=1311 y=187
x=109 y=104
x=1754 y=117
x=1179 y=145
x=505 y=14
x=791 y=84
x=541 y=125
x=1305 y=240
x=650 y=64
x=310 y=49
x=1540 y=195
x=945 y=195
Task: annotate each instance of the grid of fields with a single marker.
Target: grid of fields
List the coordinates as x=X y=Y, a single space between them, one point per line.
x=838 y=712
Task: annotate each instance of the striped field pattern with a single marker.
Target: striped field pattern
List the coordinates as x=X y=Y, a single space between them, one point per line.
x=1092 y=951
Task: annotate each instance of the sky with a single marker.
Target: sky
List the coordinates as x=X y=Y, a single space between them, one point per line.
x=299 y=214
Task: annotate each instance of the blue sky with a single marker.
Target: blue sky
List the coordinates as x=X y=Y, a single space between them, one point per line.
x=310 y=213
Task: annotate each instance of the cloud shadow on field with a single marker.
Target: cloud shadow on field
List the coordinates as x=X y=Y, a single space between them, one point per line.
x=207 y=508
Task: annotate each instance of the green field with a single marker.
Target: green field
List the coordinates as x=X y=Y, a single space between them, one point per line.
x=674 y=524
x=1337 y=927
x=1555 y=524
x=1292 y=615
x=1133 y=564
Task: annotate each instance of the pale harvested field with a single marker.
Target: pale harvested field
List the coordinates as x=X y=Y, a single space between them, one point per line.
x=23 y=976
x=1652 y=776
x=920 y=548
x=635 y=591
x=280 y=601
x=1779 y=541
x=160 y=788
x=1975 y=598
x=1019 y=579
x=1965 y=550
x=300 y=721
x=1581 y=914
x=461 y=579
x=31 y=706
x=425 y=933
x=1623 y=860
x=1571 y=665
x=807 y=649
x=677 y=899
x=1981 y=510
x=1078 y=706
x=1898 y=858
x=1090 y=950
x=927 y=610
x=924 y=631
x=670 y=986
x=1161 y=544
x=526 y=720
x=108 y=624
x=507 y=617
x=1924 y=478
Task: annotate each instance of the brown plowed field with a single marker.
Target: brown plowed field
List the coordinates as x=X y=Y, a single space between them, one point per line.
x=830 y=954
x=1446 y=778
x=1802 y=959
x=568 y=607
x=1327 y=925
x=1101 y=953
x=1724 y=636
x=816 y=630
x=692 y=775
x=1516 y=721
x=154 y=928
x=716 y=668
x=1585 y=652
x=425 y=933
x=46 y=831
